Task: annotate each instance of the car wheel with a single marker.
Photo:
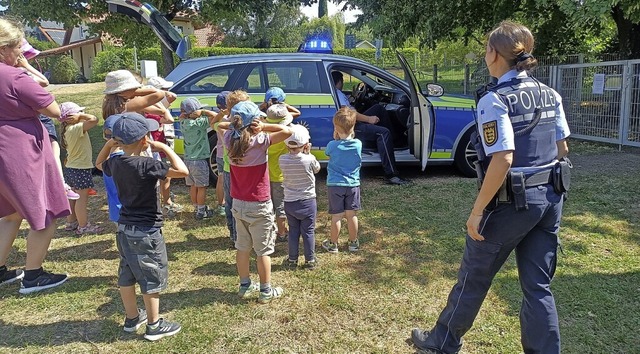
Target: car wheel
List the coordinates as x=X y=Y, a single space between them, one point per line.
x=466 y=155
x=213 y=164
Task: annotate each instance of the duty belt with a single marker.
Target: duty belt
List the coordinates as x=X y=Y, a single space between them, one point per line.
x=539 y=178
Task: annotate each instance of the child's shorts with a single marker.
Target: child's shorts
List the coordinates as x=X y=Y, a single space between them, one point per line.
x=143 y=258
x=277 y=198
x=78 y=178
x=254 y=226
x=343 y=198
x=198 y=173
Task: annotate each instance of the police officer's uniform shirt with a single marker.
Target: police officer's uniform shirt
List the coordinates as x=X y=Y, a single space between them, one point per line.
x=343 y=101
x=494 y=123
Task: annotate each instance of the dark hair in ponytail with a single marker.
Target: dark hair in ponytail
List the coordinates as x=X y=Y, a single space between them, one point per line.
x=514 y=42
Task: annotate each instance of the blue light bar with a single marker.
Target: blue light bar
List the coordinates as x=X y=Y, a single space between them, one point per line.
x=316 y=45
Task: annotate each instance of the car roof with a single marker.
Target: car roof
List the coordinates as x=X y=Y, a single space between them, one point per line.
x=198 y=63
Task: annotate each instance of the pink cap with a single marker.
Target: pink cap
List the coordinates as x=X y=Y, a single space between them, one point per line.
x=67 y=109
x=28 y=51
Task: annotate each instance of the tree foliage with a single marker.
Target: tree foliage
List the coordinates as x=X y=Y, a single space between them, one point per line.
x=259 y=28
x=559 y=25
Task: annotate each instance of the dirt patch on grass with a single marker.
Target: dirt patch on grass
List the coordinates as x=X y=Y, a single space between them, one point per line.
x=68 y=89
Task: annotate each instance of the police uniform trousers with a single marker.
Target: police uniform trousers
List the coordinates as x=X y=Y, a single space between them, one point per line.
x=533 y=235
x=380 y=134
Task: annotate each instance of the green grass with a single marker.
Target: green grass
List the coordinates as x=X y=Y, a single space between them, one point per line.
x=412 y=243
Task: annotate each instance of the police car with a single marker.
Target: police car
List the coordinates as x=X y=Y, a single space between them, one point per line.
x=431 y=128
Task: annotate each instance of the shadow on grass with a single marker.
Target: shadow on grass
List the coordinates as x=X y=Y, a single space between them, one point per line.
x=217 y=268
x=587 y=306
x=63 y=332
x=173 y=301
x=95 y=250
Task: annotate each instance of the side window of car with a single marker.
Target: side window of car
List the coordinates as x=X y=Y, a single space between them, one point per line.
x=294 y=77
x=214 y=80
x=254 y=82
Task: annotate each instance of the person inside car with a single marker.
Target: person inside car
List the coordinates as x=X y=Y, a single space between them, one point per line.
x=374 y=125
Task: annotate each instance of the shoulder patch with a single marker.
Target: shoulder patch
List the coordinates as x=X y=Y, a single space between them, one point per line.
x=490 y=132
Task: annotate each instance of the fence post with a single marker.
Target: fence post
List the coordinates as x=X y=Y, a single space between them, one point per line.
x=625 y=103
x=466 y=79
x=435 y=73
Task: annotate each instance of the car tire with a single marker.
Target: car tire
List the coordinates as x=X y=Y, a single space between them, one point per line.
x=466 y=155
x=213 y=164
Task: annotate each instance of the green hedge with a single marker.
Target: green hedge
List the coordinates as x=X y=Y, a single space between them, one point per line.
x=64 y=70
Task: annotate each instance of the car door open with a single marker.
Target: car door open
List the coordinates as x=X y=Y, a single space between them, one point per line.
x=421 y=120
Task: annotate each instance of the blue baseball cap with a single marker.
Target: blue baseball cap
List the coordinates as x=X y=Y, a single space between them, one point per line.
x=248 y=111
x=110 y=121
x=275 y=93
x=130 y=127
x=190 y=105
x=221 y=99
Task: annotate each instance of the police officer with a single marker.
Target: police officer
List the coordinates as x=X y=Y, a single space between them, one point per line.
x=523 y=130
x=374 y=125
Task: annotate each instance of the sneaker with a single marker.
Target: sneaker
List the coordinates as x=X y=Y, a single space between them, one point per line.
x=45 y=280
x=71 y=195
x=312 y=264
x=273 y=294
x=282 y=238
x=132 y=324
x=171 y=210
x=92 y=192
x=397 y=180
x=245 y=291
x=221 y=211
x=330 y=246
x=290 y=264
x=354 y=246
x=70 y=226
x=10 y=276
x=163 y=329
x=419 y=339
x=89 y=229
x=205 y=213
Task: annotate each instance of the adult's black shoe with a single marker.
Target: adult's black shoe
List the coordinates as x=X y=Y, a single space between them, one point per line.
x=397 y=180
x=419 y=338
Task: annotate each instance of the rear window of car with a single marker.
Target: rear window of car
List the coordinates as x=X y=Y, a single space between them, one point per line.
x=213 y=80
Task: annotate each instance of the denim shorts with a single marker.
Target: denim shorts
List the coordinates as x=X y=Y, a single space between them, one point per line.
x=198 y=173
x=49 y=126
x=143 y=258
x=343 y=198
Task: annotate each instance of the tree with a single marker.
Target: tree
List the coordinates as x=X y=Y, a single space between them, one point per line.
x=323 y=8
x=95 y=15
x=559 y=25
x=333 y=25
x=279 y=27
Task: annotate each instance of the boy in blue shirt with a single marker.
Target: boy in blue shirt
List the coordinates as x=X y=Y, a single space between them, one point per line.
x=343 y=179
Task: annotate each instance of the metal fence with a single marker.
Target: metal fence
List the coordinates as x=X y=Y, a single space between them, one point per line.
x=601 y=100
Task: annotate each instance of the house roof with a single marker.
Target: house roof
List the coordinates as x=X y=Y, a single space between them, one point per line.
x=66 y=48
x=55 y=32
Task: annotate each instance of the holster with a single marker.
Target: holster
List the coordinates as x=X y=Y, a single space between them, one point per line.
x=518 y=190
x=562 y=176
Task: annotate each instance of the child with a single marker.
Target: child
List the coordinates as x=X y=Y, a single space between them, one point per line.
x=275 y=95
x=140 y=224
x=223 y=165
x=278 y=114
x=221 y=103
x=247 y=144
x=79 y=164
x=165 y=121
x=194 y=122
x=112 y=193
x=343 y=179
x=298 y=168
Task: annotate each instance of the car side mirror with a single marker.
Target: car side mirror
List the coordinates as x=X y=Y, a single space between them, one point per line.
x=434 y=90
